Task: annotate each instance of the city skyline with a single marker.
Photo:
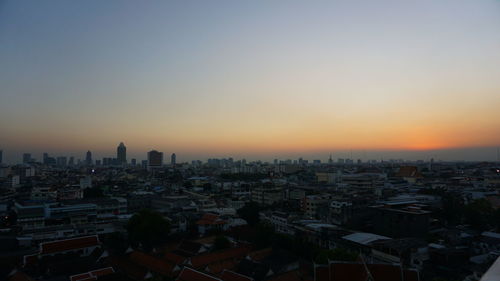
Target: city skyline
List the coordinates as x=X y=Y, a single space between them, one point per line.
x=466 y=154
x=251 y=80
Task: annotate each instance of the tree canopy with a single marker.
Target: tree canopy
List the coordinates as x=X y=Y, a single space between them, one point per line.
x=148 y=228
x=250 y=213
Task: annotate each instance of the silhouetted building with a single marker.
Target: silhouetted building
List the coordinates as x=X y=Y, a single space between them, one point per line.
x=71 y=161
x=121 y=153
x=62 y=161
x=400 y=219
x=172 y=159
x=133 y=162
x=26 y=158
x=88 y=158
x=47 y=160
x=1 y=156
x=155 y=159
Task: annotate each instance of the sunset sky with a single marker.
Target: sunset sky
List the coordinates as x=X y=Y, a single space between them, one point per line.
x=255 y=79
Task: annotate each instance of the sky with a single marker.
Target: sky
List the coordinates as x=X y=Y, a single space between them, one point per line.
x=254 y=79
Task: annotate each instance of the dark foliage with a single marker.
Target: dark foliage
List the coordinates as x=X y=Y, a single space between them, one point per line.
x=148 y=228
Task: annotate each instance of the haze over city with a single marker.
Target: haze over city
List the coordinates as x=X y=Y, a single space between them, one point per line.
x=279 y=79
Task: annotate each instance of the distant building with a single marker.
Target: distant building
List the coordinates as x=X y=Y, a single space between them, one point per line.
x=71 y=161
x=88 y=158
x=121 y=153
x=86 y=182
x=1 y=156
x=155 y=159
x=133 y=162
x=26 y=158
x=62 y=161
x=173 y=159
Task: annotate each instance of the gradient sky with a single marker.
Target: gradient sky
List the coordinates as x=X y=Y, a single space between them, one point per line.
x=259 y=79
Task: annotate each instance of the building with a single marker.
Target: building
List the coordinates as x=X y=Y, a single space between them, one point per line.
x=26 y=158
x=155 y=159
x=398 y=219
x=62 y=161
x=267 y=195
x=1 y=156
x=312 y=204
x=88 y=158
x=121 y=154
x=173 y=159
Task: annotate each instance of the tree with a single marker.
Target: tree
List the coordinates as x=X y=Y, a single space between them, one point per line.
x=221 y=242
x=250 y=213
x=116 y=243
x=452 y=210
x=148 y=228
x=92 y=192
x=479 y=214
x=337 y=254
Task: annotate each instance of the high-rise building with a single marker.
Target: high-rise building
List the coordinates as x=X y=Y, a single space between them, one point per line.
x=121 y=153
x=155 y=159
x=1 y=156
x=62 y=161
x=26 y=158
x=47 y=160
x=88 y=158
x=133 y=162
x=173 y=159
x=71 y=161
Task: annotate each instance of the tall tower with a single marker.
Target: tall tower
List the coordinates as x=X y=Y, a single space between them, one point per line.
x=173 y=159
x=1 y=156
x=88 y=158
x=121 y=153
x=155 y=159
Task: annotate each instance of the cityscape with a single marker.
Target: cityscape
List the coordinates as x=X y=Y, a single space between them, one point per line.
x=250 y=140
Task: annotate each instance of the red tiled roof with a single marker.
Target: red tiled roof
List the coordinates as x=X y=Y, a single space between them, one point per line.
x=321 y=273
x=154 y=264
x=68 y=244
x=102 y=271
x=260 y=254
x=387 y=272
x=348 y=272
x=218 y=267
x=126 y=266
x=219 y=256
x=83 y=276
x=189 y=274
x=294 y=275
x=210 y=219
x=174 y=258
x=92 y=275
x=30 y=259
x=228 y=275
x=20 y=276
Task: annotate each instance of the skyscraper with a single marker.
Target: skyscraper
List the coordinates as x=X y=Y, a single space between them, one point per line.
x=173 y=159
x=26 y=158
x=88 y=158
x=1 y=156
x=155 y=159
x=121 y=153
